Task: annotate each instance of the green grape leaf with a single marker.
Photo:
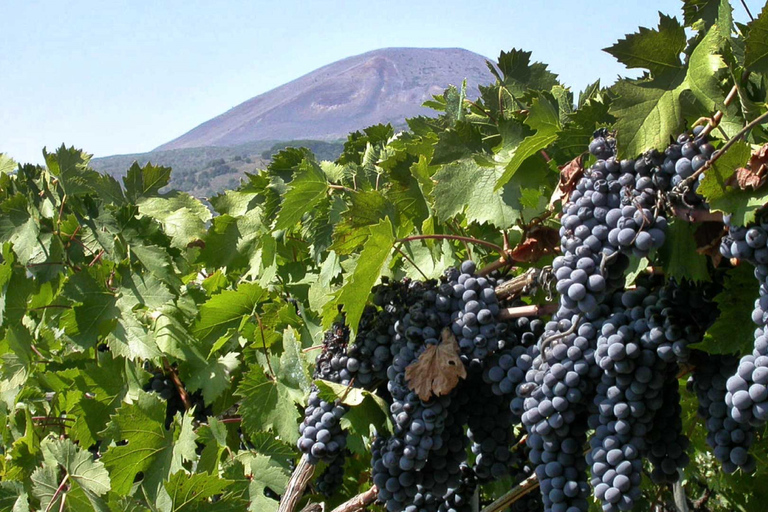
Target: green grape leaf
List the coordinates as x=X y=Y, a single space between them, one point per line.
x=77 y=466
x=151 y=449
x=227 y=309
x=708 y=11
x=265 y=443
x=105 y=386
x=145 y=181
x=13 y=497
x=681 y=261
x=94 y=315
x=354 y=294
x=722 y=197
x=70 y=166
x=518 y=74
x=733 y=331
x=656 y=50
x=7 y=164
x=182 y=216
x=263 y=473
x=191 y=492
x=756 y=43
x=269 y=404
x=543 y=117
x=308 y=188
x=20 y=228
x=649 y=111
x=212 y=376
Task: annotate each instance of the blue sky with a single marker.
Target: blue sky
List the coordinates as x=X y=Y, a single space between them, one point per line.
x=126 y=76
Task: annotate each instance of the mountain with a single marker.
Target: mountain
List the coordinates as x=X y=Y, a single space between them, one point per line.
x=381 y=86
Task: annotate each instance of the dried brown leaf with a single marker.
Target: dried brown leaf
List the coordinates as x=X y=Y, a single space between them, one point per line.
x=759 y=161
x=747 y=179
x=539 y=241
x=569 y=176
x=708 y=236
x=438 y=370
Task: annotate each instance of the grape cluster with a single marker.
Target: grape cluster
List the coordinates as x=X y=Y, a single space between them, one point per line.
x=322 y=437
x=331 y=479
x=667 y=445
x=165 y=388
x=729 y=439
x=460 y=498
x=490 y=431
x=689 y=154
x=747 y=389
x=474 y=309
x=611 y=213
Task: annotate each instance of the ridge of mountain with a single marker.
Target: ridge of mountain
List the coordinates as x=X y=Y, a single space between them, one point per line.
x=381 y=86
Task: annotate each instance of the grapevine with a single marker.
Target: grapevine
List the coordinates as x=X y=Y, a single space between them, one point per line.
x=490 y=310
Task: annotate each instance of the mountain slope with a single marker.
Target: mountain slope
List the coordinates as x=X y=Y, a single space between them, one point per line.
x=381 y=86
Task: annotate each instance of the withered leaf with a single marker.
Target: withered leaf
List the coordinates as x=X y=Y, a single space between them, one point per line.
x=759 y=160
x=747 y=179
x=539 y=241
x=569 y=176
x=438 y=370
x=708 y=236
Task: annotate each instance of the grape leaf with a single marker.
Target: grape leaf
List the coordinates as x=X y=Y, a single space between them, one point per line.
x=94 y=315
x=519 y=75
x=308 y=188
x=708 y=11
x=151 y=449
x=145 y=181
x=354 y=294
x=191 y=492
x=656 y=50
x=263 y=473
x=733 y=331
x=182 y=216
x=722 y=197
x=467 y=187
x=543 y=118
x=105 y=387
x=7 y=164
x=13 y=497
x=70 y=166
x=78 y=466
x=212 y=376
x=227 y=309
x=756 y=43
x=269 y=404
x=649 y=111
x=679 y=255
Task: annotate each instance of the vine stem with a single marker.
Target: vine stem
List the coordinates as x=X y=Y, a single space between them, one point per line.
x=533 y=310
x=264 y=345
x=296 y=485
x=58 y=492
x=452 y=237
x=689 y=180
x=399 y=249
x=341 y=187
x=359 y=502
x=525 y=487
x=177 y=382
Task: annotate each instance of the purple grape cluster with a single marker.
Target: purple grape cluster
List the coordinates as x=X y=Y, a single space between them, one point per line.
x=729 y=439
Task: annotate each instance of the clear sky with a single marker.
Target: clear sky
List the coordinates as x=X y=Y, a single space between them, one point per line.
x=126 y=76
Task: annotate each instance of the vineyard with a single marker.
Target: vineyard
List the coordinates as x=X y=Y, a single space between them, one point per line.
x=536 y=301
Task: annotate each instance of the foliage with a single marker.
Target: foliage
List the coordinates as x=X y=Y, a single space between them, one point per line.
x=102 y=282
